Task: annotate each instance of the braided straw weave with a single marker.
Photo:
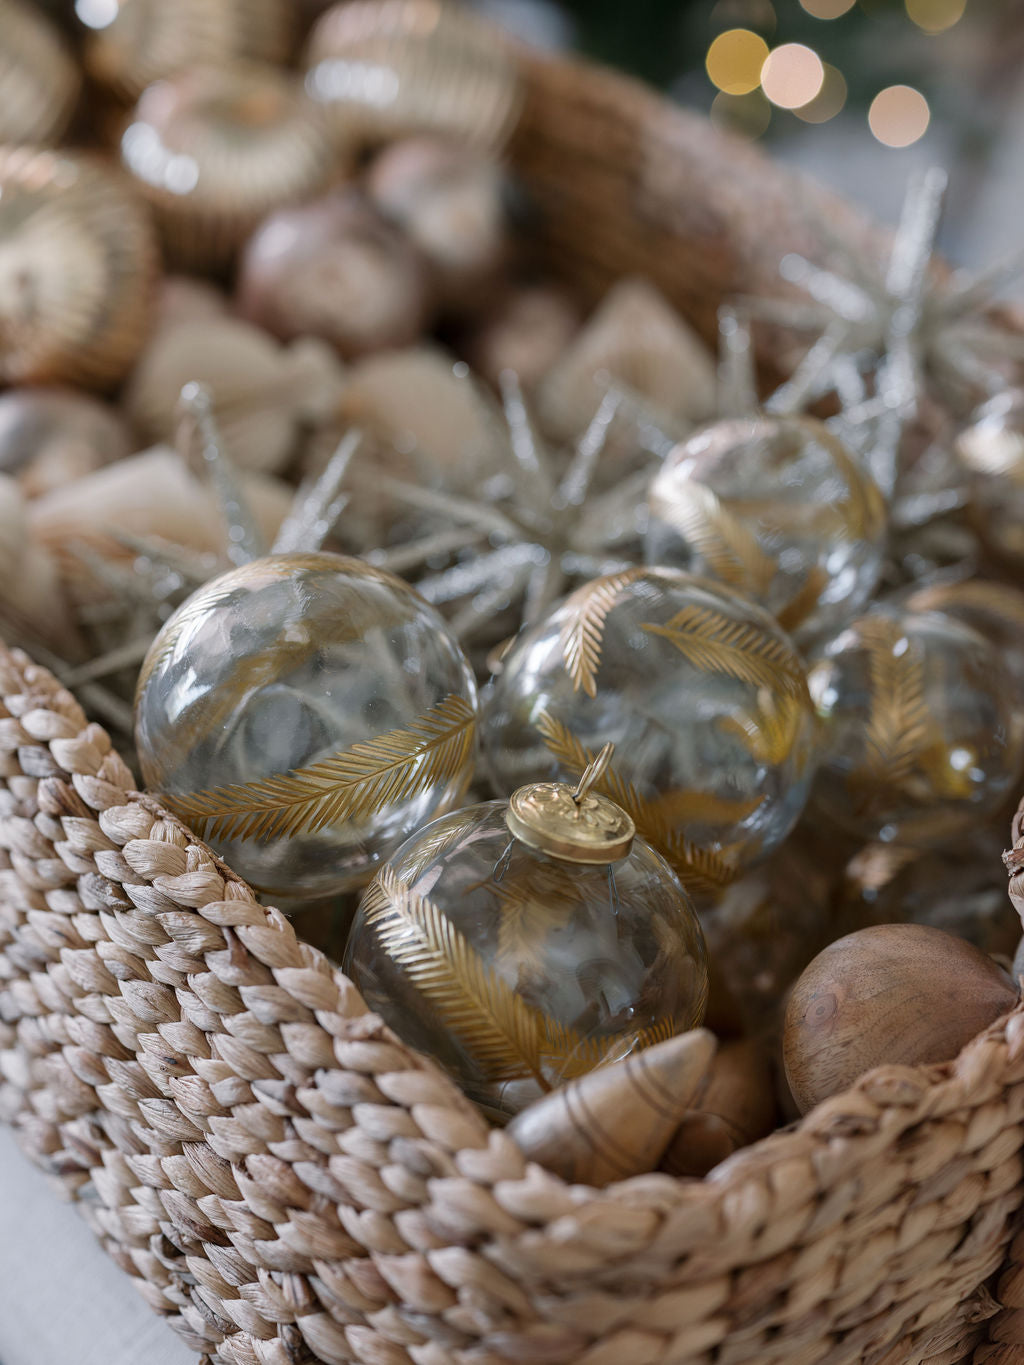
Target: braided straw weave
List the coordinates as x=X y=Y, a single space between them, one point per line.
x=288 y=1183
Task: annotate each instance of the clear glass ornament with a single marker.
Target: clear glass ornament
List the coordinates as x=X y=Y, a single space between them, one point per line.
x=518 y=967
x=961 y=890
x=703 y=696
x=777 y=508
x=922 y=736
x=305 y=713
x=994 y=610
x=992 y=448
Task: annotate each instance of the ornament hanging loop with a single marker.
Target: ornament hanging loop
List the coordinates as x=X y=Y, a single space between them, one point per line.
x=594 y=771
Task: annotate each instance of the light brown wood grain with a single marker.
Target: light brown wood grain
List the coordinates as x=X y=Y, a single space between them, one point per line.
x=893 y=993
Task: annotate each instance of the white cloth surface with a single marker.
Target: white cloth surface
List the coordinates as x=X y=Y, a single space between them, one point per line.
x=63 y=1301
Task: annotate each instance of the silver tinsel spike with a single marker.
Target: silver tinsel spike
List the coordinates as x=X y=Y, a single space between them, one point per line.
x=530 y=458
x=575 y=486
x=125 y=656
x=245 y=539
x=657 y=433
x=318 y=504
x=737 y=377
x=809 y=380
x=914 y=241
x=461 y=580
x=969 y=289
x=477 y=514
x=419 y=552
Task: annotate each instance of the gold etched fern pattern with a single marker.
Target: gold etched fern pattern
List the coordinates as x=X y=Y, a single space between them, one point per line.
x=770 y=733
x=507 y=1036
x=354 y=784
x=803 y=602
x=722 y=539
x=897 y=727
x=582 y=635
x=715 y=643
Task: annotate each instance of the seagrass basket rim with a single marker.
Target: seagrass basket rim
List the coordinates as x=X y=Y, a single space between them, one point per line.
x=891 y=1098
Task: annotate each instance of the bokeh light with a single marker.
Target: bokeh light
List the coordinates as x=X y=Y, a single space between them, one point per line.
x=792 y=75
x=827 y=9
x=899 y=115
x=935 y=16
x=828 y=101
x=747 y=115
x=735 y=59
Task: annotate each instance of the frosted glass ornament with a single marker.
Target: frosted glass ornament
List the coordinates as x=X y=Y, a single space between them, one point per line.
x=921 y=734
x=305 y=713
x=777 y=508
x=518 y=968
x=704 y=697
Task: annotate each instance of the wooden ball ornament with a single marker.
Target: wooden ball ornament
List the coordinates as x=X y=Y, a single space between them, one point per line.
x=734 y=1106
x=892 y=994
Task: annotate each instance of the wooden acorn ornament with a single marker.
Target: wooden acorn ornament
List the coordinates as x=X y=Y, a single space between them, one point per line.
x=39 y=81
x=412 y=66
x=733 y=1107
x=903 y=994
x=618 y=1120
x=132 y=43
x=215 y=149
x=78 y=259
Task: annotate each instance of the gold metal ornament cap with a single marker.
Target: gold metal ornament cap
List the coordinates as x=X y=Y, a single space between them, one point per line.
x=575 y=825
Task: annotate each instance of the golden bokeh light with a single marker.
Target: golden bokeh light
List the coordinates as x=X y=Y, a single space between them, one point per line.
x=735 y=59
x=792 y=75
x=827 y=9
x=899 y=115
x=828 y=101
x=935 y=16
x=748 y=115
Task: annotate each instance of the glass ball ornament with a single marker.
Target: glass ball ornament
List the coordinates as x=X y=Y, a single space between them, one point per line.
x=992 y=448
x=523 y=943
x=921 y=732
x=305 y=713
x=704 y=697
x=777 y=508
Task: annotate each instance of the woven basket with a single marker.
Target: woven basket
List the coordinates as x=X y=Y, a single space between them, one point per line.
x=288 y=1183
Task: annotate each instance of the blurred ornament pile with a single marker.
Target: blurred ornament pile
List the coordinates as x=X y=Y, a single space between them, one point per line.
x=368 y=513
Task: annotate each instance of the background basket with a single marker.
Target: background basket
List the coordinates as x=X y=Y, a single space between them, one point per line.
x=289 y=1183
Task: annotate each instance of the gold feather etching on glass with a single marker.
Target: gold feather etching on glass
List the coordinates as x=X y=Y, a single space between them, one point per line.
x=305 y=713
x=715 y=643
x=353 y=785
x=679 y=672
x=508 y=1037
x=582 y=635
x=922 y=727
